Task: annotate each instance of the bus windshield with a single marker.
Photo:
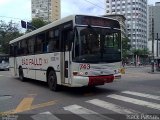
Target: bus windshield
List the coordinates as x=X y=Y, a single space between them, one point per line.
x=95 y=44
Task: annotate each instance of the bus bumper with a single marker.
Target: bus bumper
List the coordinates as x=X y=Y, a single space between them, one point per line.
x=117 y=76
x=79 y=81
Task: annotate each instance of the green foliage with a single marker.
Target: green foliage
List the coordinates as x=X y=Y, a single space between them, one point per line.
x=37 y=22
x=8 y=32
x=140 y=52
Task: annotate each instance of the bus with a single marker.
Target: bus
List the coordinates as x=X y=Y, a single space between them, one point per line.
x=76 y=51
x=4 y=62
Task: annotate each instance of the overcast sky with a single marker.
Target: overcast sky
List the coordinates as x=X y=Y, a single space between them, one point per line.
x=21 y=9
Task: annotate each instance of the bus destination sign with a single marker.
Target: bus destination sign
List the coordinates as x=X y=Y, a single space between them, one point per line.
x=96 y=21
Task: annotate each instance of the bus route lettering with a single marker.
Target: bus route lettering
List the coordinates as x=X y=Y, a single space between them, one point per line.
x=36 y=61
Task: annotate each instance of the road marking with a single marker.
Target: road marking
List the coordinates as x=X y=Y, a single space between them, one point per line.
x=142 y=95
x=85 y=113
x=1 y=75
x=135 y=101
x=31 y=108
x=24 y=105
x=112 y=107
x=45 y=116
x=43 y=105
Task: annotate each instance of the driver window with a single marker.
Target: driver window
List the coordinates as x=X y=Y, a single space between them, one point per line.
x=109 y=41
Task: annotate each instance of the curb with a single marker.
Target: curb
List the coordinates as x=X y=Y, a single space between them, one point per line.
x=154 y=72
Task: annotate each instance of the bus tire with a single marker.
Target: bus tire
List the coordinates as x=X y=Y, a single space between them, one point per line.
x=21 y=76
x=52 y=81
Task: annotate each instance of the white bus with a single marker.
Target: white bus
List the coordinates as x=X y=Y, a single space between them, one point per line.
x=75 y=51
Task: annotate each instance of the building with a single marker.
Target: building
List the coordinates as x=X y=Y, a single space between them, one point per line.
x=154 y=27
x=48 y=10
x=121 y=20
x=135 y=12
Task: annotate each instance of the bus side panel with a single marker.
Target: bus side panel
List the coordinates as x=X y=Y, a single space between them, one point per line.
x=12 y=66
x=41 y=66
x=28 y=65
x=45 y=61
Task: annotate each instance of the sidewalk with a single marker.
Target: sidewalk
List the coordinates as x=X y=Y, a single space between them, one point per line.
x=155 y=72
x=141 y=69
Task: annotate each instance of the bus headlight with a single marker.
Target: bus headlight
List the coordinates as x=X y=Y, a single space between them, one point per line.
x=76 y=73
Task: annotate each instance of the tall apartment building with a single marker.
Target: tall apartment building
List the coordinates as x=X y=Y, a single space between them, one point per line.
x=48 y=10
x=135 y=12
x=154 y=27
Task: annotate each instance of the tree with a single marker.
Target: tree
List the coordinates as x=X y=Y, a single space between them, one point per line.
x=8 y=32
x=37 y=22
x=141 y=52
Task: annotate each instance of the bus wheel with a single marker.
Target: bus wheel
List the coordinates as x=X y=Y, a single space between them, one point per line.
x=52 y=81
x=21 y=76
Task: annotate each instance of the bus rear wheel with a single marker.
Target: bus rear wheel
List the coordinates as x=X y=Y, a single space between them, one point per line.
x=52 y=81
x=21 y=76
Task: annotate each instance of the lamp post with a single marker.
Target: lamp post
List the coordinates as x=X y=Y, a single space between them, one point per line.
x=48 y=10
x=152 y=45
x=157 y=45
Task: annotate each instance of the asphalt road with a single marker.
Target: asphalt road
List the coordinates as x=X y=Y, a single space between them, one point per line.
x=135 y=96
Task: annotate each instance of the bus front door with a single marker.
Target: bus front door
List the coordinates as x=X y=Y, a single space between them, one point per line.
x=66 y=58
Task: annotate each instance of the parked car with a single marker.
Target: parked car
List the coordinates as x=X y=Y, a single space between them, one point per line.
x=4 y=65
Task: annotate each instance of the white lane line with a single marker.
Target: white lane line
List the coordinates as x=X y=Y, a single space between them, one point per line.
x=1 y=75
x=135 y=101
x=112 y=107
x=85 y=113
x=142 y=95
x=45 y=116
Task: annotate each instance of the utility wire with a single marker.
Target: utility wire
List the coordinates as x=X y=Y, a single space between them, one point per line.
x=94 y=4
x=12 y=18
x=101 y=2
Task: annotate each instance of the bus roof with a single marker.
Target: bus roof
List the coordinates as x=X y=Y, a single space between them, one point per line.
x=41 y=29
x=48 y=26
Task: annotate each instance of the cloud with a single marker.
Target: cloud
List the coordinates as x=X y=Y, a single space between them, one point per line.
x=90 y=7
x=4 y=2
x=22 y=8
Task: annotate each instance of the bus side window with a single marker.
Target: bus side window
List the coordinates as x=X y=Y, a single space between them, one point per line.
x=24 y=47
x=52 y=41
x=39 y=43
x=11 y=50
x=31 y=42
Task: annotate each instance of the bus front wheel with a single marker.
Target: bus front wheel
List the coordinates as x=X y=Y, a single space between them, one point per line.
x=21 y=76
x=52 y=81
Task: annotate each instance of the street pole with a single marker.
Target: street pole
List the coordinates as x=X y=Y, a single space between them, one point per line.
x=48 y=10
x=152 y=45
x=157 y=45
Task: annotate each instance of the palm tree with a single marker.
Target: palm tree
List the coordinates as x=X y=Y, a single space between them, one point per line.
x=140 y=55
